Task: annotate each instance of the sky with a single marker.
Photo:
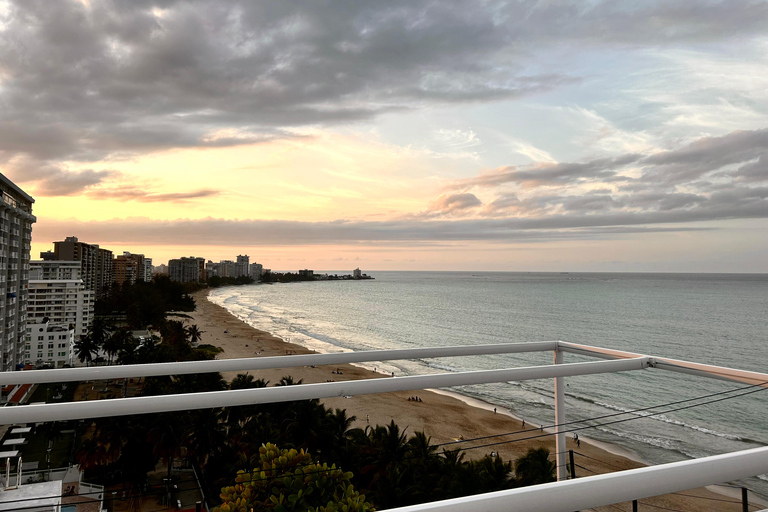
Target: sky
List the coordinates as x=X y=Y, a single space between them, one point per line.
x=616 y=136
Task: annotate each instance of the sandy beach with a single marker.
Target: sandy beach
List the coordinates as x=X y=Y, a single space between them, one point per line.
x=443 y=417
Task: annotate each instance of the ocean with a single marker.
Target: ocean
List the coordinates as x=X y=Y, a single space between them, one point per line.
x=719 y=319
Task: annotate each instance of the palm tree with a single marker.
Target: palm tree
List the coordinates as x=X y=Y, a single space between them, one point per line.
x=535 y=467
x=288 y=381
x=391 y=443
x=420 y=447
x=99 y=330
x=494 y=473
x=195 y=334
x=247 y=381
x=91 y=453
x=166 y=437
x=86 y=348
x=116 y=342
x=207 y=437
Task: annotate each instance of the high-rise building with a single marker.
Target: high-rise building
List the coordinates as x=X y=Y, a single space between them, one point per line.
x=254 y=271
x=241 y=265
x=96 y=263
x=227 y=268
x=148 y=269
x=16 y=221
x=58 y=296
x=187 y=270
x=131 y=268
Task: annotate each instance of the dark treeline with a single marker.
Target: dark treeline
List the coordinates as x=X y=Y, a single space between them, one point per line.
x=284 y=277
x=389 y=466
x=146 y=303
x=216 y=281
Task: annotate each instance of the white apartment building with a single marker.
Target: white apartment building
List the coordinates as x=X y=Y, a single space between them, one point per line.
x=57 y=293
x=16 y=221
x=255 y=270
x=49 y=344
x=148 y=269
x=241 y=265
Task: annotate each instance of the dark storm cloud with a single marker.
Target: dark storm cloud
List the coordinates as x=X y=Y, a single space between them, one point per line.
x=218 y=232
x=54 y=181
x=125 y=76
x=601 y=169
x=711 y=178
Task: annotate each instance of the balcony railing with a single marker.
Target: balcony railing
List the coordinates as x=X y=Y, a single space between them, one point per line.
x=562 y=496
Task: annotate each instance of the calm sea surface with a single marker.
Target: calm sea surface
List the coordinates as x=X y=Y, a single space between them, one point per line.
x=720 y=319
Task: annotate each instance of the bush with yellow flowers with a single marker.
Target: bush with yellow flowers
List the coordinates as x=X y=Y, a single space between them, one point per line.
x=289 y=481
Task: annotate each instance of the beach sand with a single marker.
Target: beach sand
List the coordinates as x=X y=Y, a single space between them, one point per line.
x=443 y=417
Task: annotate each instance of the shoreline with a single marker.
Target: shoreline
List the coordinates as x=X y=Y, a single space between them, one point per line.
x=439 y=414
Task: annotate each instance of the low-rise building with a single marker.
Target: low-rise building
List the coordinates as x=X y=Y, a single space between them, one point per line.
x=49 y=344
x=57 y=292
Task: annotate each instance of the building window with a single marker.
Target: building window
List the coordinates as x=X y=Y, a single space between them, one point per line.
x=50 y=345
x=51 y=337
x=50 y=354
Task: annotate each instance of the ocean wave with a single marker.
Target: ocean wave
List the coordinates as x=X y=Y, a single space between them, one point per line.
x=658 y=442
x=662 y=417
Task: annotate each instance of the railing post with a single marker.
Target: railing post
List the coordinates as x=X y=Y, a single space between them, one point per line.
x=572 y=464
x=562 y=473
x=634 y=505
x=744 y=500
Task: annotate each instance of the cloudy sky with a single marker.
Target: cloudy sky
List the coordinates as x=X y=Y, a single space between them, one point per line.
x=533 y=135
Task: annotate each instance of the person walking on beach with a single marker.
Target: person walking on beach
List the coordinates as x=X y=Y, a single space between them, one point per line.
x=494 y=410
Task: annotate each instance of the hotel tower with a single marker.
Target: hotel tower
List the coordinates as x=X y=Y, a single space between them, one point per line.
x=16 y=221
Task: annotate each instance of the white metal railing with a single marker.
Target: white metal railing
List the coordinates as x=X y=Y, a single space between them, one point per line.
x=211 y=399
x=599 y=490
x=265 y=363
x=565 y=495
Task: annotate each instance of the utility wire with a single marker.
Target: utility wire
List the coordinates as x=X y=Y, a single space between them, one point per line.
x=606 y=423
x=611 y=415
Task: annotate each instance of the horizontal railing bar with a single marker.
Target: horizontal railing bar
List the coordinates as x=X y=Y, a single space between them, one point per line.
x=599 y=490
x=214 y=399
x=675 y=365
x=262 y=363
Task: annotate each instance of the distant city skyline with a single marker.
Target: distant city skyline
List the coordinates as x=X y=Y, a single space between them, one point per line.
x=609 y=136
